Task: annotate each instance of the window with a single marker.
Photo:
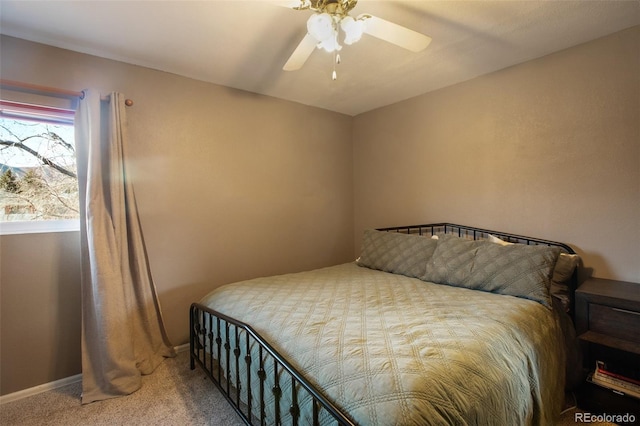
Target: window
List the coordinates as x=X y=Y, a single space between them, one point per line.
x=38 y=177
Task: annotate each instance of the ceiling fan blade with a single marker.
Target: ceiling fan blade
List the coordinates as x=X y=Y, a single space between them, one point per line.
x=301 y=54
x=394 y=33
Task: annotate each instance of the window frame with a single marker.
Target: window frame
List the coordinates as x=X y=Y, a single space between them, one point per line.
x=39 y=226
x=44 y=114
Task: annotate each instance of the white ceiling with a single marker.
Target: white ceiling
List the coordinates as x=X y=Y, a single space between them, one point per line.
x=244 y=44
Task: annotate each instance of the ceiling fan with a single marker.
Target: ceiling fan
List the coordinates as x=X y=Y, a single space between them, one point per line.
x=331 y=17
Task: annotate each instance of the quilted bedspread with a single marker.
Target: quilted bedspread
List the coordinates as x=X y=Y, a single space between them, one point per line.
x=391 y=350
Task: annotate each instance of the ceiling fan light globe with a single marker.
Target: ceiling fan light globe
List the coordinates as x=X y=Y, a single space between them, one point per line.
x=320 y=26
x=352 y=28
x=330 y=45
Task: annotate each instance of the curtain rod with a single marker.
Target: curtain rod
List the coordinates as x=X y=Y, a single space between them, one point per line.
x=60 y=93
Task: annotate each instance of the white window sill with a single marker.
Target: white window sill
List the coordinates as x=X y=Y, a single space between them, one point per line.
x=39 y=226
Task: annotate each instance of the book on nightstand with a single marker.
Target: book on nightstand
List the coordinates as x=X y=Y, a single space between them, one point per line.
x=602 y=376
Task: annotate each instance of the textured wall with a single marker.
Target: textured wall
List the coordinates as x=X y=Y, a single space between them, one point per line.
x=230 y=185
x=40 y=314
x=548 y=148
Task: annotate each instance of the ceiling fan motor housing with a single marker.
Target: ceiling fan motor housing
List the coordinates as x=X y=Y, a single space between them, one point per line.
x=333 y=7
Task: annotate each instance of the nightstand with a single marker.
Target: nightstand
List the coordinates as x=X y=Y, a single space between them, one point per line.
x=608 y=326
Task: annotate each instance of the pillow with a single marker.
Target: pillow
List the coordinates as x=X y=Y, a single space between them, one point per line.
x=516 y=269
x=562 y=274
x=497 y=240
x=404 y=254
x=561 y=278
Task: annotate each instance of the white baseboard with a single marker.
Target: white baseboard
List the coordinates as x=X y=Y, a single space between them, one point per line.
x=181 y=348
x=59 y=383
x=39 y=389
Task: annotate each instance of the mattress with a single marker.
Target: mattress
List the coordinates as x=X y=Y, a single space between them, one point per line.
x=387 y=349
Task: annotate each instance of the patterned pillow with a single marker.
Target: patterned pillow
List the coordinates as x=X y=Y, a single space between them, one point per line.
x=517 y=270
x=561 y=277
x=404 y=254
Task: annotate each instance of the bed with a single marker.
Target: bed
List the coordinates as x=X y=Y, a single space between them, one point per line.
x=433 y=324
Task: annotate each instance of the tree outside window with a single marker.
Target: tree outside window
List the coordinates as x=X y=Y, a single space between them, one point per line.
x=38 y=177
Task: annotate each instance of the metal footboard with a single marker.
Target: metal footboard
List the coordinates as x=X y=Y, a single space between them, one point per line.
x=252 y=375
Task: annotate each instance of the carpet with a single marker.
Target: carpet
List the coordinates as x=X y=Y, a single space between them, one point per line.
x=172 y=395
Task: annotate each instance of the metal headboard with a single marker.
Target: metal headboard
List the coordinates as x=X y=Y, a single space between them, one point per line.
x=473 y=233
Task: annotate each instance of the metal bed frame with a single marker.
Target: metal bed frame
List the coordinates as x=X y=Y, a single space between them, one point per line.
x=216 y=342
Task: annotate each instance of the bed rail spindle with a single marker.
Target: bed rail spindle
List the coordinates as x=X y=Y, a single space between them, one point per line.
x=236 y=353
x=262 y=375
x=211 y=336
x=227 y=351
x=316 y=420
x=294 y=409
x=203 y=335
x=277 y=392
x=219 y=344
x=247 y=360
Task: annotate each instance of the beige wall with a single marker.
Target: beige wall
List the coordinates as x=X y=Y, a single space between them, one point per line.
x=230 y=185
x=549 y=148
x=233 y=185
x=40 y=314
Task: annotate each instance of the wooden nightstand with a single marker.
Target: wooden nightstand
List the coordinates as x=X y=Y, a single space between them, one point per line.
x=608 y=326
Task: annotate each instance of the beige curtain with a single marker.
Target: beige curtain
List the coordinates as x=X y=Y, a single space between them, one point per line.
x=123 y=336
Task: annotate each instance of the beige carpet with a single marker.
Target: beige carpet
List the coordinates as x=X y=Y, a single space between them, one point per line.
x=172 y=395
